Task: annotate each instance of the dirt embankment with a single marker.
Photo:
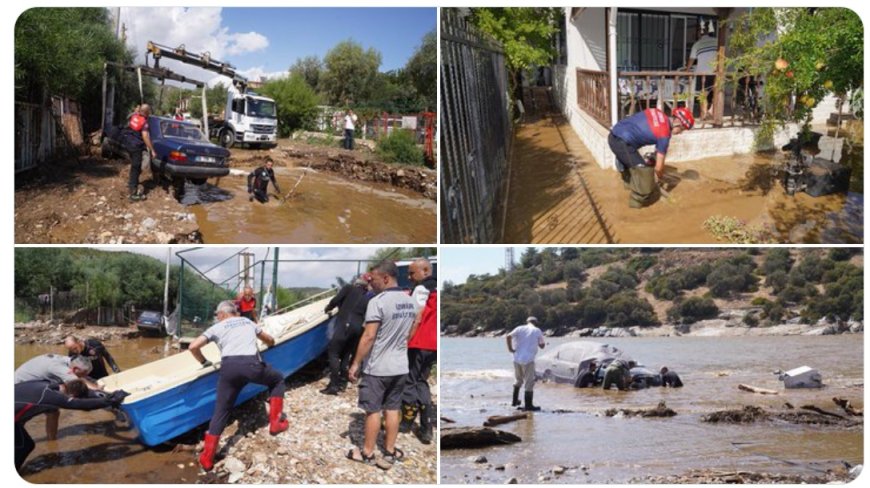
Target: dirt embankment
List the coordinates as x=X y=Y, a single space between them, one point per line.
x=84 y=200
x=350 y=165
x=359 y=164
x=51 y=333
x=322 y=430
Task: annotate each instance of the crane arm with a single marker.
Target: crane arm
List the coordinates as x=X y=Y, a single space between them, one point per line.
x=203 y=60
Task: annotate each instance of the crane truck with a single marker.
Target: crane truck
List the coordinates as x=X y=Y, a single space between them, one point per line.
x=249 y=118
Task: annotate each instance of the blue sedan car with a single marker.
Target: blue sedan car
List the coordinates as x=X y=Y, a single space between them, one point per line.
x=182 y=152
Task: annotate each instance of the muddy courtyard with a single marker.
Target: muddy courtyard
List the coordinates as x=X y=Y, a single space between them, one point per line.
x=559 y=194
x=343 y=197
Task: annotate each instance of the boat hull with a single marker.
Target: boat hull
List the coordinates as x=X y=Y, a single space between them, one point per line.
x=177 y=410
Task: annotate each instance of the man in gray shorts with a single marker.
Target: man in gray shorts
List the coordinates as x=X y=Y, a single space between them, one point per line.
x=384 y=347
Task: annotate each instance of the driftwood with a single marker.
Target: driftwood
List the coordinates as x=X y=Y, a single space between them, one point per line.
x=755 y=389
x=661 y=410
x=472 y=437
x=813 y=408
x=447 y=420
x=503 y=419
x=846 y=405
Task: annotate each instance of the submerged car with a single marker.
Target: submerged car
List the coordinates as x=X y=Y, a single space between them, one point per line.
x=565 y=363
x=182 y=152
x=151 y=322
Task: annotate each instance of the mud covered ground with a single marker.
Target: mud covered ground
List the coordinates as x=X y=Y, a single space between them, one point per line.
x=83 y=199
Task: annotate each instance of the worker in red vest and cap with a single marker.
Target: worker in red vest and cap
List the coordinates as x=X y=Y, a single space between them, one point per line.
x=247 y=304
x=136 y=138
x=651 y=126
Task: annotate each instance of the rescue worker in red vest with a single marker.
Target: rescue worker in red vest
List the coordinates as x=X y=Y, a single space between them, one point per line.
x=651 y=126
x=422 y=351
x=38 y=397
x=137 y=142
x=247 y=304
x=236 y=337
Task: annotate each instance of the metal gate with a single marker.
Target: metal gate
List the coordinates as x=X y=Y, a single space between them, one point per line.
x=28 y=135
x=476 y=131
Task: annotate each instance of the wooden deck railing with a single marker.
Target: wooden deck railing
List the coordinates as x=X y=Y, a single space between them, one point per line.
x=666 y=90
x=593 y=94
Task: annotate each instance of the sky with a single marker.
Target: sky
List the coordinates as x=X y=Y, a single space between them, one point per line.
x=311 y=274
x=267 y=41
x=457 y=263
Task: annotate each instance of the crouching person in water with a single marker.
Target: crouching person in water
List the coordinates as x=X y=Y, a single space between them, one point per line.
x=619 y=374
x=652 y=126
x=240 y=364
x=258 y=182
x=39 y=397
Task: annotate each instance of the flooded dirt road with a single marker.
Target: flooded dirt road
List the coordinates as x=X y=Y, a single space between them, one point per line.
x=325 y=208
x=94 y=447
x=476 y=379
x=559 y=194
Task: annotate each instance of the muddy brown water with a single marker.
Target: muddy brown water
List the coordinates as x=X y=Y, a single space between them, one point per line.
x=325 y=209
x=92 y=447
x=549 y=201
x=476 y=381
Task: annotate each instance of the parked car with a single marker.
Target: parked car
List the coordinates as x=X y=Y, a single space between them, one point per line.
x=150 y=322
x=182 y=152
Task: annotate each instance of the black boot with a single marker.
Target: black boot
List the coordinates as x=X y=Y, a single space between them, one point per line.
x=516 y=400
x=332 y=388
x=425 y=425
x=529 y=407
x=409 y=413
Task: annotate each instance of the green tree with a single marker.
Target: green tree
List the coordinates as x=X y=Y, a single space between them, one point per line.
x=350 y=73
x=297 y=103
x=62 y=51
x=422 y=70
x=310 y=68
x=815 y=52
x=526 y=35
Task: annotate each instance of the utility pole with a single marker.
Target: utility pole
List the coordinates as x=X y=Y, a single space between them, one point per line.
x=51 y=303
x=166 y=284
x=274 y=304
x=509 y=259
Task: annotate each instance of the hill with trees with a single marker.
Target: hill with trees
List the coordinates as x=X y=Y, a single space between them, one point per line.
x=85 y=278
x=579 y=291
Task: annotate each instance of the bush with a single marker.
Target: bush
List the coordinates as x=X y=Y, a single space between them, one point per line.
x=777 y=280
x=399 y=146
x=594 y=312
x=639 y=264
x=750 y=320
x=626 y=309
x=693 y=309
x=778 y=259
x=296 y=101
x=841 y=254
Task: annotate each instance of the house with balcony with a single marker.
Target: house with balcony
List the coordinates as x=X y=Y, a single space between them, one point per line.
x=617 y=61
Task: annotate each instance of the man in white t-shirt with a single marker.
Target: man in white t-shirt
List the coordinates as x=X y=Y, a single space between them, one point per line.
x=524 y=342
x=350 y=119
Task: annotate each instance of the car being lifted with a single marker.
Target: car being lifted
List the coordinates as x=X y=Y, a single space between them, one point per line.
x=182 y=152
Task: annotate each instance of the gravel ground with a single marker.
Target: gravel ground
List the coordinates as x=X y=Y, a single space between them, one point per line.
x=322 y=430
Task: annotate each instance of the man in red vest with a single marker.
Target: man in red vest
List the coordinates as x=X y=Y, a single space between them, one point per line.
x=422 y=351
x=247 y=304
x=137 y=141
x=651 y=126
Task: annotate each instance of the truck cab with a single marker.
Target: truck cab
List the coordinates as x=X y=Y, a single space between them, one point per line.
x=250 y=119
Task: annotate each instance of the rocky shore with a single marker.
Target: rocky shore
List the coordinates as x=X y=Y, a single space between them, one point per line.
x=728 y=324
x=322 y=430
